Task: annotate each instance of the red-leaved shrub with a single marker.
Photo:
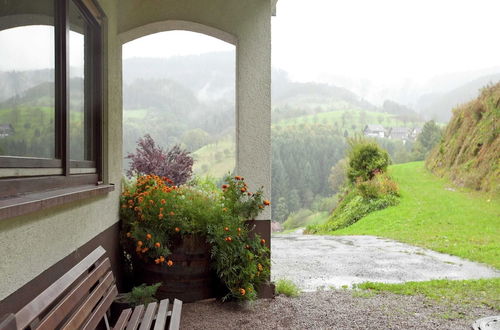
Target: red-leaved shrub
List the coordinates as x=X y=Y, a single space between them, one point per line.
x=174 y=163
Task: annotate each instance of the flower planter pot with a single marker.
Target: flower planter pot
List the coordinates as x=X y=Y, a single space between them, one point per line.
x=191 y=277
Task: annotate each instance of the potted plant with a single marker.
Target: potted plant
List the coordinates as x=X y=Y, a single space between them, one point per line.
x=193 y=237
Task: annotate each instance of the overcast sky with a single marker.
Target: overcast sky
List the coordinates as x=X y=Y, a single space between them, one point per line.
x=380 y=40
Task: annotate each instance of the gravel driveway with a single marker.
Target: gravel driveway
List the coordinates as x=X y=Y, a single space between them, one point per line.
x=336 y=310
x=314 y=261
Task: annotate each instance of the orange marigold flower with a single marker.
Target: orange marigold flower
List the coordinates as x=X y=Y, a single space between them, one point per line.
x=262 y=241
x=225 y=186
x=224 y=209
x=162 y=259
x=136 y=208
x=226 y=228
x=238 y=177
x=157 y=244
x=139 y=243
x=170 y=263
x=238 y=229
x=157 y=261
x=228 y=239
x=163 y=201
x=151 y=201
x=242 y=291
x=249 y=194
x=266 y=202
x=243 y=189
x=261 y=207
x=129 y=234
x=141 y=199
x=130 y=201
x=177 y=229
x=144 y=250
x=148 y=236
x=160 y=216
x=171 y=213
x=259 y=267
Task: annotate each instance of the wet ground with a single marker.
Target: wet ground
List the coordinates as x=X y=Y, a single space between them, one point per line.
x=315 y=262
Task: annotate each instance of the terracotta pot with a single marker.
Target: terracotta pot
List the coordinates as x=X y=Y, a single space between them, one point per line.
x=191 y=278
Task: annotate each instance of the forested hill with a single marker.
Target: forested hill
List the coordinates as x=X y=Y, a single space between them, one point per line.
x=469 y=152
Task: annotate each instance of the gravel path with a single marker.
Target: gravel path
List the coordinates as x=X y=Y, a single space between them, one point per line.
x=336 y=309
x=314 y=261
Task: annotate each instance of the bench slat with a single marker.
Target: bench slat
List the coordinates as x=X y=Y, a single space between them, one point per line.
x=29 y=312
x=148 y=317
x=63 y=309
x=122 y=320
x=175 y=319
x=135 y=318
x=86 y=307
x=161 y=317
x=101 y=309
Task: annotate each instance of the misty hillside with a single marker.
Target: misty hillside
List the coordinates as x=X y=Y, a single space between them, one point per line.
x=438 y=106
x=17 y=82
x=470 y=149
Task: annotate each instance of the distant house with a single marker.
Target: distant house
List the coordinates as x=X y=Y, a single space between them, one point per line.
x=400 y=133
x=415 y=132
x=6 y=130
x=374 y=131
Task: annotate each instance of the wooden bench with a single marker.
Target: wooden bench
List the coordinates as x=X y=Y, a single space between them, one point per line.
x=81 y=299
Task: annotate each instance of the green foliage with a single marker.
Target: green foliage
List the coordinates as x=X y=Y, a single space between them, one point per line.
x=480 y=293
x=371 y=190
x=297 y=219
x=156 y=215
x=426 y=140
x=379 y=186
x=142 y=294
x=287 y=287
x=366 y=159
x=338 y=174
x=456 y=221
x=468 y=153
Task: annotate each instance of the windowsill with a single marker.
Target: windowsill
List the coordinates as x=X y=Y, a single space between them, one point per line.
x=28 y=203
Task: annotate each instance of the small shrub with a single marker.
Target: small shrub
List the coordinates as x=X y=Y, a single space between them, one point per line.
x=366 y=159
x=141 y=295
x=287 y=287
x=297 y=219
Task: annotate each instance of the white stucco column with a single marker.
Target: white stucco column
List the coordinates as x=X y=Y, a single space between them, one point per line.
x=253 y=105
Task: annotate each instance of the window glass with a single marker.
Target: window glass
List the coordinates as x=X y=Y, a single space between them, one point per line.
x=27 y=112
x=79 y=104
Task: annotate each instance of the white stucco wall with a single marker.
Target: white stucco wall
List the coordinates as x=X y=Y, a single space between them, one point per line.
x=30 y=244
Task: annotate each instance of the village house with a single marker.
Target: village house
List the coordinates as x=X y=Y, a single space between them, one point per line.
x=6 y=130
x=374 y=131
x=53 y=212
x=399 y=133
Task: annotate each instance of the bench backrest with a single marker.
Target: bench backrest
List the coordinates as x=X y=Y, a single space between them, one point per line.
x=79 y=299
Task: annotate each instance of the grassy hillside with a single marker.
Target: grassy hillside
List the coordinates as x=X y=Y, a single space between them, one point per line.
x=434 y=214
x=358 y=118
x=216 y=159
x=469 y=153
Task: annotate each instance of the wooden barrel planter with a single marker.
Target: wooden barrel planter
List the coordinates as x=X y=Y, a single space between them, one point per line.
x=190 y=279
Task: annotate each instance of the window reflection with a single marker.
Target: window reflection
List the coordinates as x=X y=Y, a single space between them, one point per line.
x=27 y=112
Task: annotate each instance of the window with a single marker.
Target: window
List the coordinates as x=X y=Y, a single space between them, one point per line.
x=50 y=95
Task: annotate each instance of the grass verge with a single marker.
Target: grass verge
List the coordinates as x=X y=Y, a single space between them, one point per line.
x=287 y=287
x=478 y=293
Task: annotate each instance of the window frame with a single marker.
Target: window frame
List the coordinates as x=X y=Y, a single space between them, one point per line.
x=16 y=185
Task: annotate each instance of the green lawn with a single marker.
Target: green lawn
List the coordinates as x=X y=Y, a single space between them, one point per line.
x=216 y=159
x=436 y=215
x=470 y=292
x=354 y=117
